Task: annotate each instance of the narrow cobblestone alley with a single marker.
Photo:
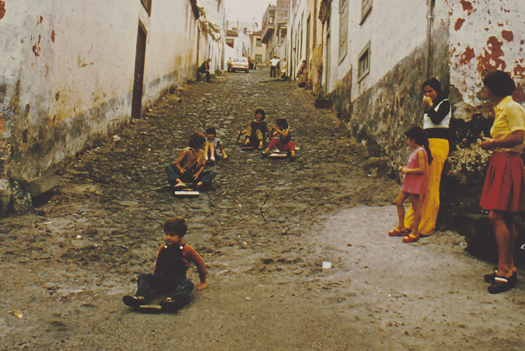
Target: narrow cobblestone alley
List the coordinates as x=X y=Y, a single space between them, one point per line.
x=264 y=230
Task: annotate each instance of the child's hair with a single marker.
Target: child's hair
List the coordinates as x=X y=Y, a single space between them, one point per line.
x=281 y=122
x=261 y=111
x=176 y=225
x=211 y=130
x=196 y=140
x=499 y=83
x=434 y=84
x=419 y=136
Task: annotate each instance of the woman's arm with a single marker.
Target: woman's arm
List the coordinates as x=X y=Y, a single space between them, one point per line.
x=513 y=139
x=437 y=116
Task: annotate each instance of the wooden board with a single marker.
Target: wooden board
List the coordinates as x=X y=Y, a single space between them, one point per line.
x=187 y=192
x=278 y=155
x=150 y=308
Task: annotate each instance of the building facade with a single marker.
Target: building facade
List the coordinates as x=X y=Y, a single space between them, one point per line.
x=275 y=29
x=304 y=41
x=374 y=65
x=73 y=71
x=258 y=51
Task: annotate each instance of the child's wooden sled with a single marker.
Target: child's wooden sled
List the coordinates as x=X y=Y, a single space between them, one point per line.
x=278 y=154
x=185 y=191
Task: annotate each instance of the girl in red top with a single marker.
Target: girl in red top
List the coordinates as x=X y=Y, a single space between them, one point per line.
x=414 y=183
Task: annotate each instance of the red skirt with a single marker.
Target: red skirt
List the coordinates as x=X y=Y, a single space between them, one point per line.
x=504 y=188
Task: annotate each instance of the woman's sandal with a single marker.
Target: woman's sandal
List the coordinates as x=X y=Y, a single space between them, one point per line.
x=410 y=238
x=397 y=232
x=489 y=278
x=499 y=285
x=513 y=280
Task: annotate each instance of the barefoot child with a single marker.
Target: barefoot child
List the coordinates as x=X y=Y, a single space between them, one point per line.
x=212 y=144
x=283 y=139
x=414 y=183
x=256 y=131
x=169 y=275
x=189 y=165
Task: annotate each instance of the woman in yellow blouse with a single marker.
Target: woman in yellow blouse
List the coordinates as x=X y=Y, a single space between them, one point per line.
x=504 y=190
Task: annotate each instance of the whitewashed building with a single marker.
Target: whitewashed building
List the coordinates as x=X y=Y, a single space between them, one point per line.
x=377 y=53
x=275 y=29
x=71 y=71
x=304 y=40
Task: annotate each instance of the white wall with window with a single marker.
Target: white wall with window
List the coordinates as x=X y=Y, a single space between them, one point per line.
x=369 y=37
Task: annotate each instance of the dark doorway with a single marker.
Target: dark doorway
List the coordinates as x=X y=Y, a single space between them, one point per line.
x=138 y=81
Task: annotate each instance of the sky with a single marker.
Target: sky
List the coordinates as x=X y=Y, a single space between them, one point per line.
x=246 y=10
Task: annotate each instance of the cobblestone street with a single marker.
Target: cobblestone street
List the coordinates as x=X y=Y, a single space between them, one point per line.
x=264 y=230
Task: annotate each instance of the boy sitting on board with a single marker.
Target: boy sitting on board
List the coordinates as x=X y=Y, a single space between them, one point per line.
x=169 y=275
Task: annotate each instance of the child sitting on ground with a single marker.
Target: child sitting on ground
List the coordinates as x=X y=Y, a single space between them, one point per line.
x=414 y=184
x=212 y=144
x=169 y=275
x=256 y=131
x=283 y=140
x=189 y=165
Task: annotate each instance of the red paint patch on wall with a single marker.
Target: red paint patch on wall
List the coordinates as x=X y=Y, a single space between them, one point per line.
x=2 y=9
x=36 y=47
x=507 y=35
x=467 y=56
x=492 y=60
x=519 y=71
x=467 y=6
x=458 y=24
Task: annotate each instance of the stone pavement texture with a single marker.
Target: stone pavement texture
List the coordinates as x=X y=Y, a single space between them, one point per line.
x=264 y=229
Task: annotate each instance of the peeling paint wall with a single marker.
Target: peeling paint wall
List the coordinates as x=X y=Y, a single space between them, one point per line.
x=468 y=40
x=485 y=36
x=67 y=72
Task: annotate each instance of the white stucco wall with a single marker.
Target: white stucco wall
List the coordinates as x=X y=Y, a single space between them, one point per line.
x=297 y=22
x=215 y=13
x=393 y=28
x=68 y=67
x=485 y=35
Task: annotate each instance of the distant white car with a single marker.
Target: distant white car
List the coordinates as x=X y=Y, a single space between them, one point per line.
x=240 y=63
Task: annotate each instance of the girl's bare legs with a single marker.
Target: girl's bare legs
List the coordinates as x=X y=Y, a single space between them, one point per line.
x=401 y=210
x=417 y=204
x=224 y=156
x=206 y=151
x=211 y=151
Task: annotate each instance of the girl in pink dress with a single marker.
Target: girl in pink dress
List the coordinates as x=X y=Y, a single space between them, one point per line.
x=414 y=184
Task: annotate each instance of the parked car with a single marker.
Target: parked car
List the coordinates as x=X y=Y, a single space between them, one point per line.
x=240 y=63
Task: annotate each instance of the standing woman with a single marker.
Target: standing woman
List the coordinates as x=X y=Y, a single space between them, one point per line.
x=504 y=189
x=436 y=121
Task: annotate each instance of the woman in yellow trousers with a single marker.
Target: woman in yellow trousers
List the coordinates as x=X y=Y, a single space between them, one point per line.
x=436 y=122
